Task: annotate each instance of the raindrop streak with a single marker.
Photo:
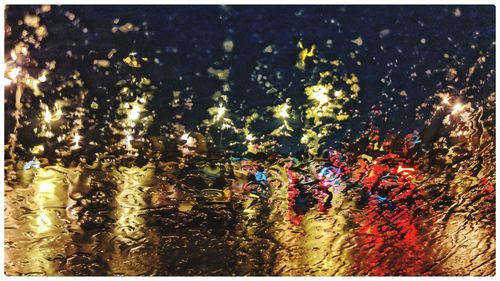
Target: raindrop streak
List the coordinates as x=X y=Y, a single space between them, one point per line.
x=226 y=140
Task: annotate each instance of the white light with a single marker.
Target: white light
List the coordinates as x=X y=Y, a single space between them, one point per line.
x=46 y=187
x=446 y=100
x=283 y=112
x=457 y=108
x=134 y=113
x=190 y=141
x=320 y=94
x=13 y=73
x=13 y=55
x=220 y=112
x=43 y=221
x=76 y=140
x=47 y=116
x=128 y=139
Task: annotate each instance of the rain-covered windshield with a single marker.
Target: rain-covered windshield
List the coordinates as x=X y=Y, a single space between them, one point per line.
x=249 y=140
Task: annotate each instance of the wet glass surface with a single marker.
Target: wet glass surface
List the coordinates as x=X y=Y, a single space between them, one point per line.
x=221 y=140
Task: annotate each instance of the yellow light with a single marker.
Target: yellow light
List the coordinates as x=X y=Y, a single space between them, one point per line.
x=134 y=113
x=338 y=93
x=37 y=149
x=34 y=83
x=58 y=114
x=303 y=54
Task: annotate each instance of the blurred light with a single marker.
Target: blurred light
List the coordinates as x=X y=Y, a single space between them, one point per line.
x=185 y=136
x=405 y=170
x=46 y=187
x=37 y=149
x=457 y=108
x=76 y=140
x=43 y=221
x=58 y=114
x=220 y=112
x=24 y=51
x=190 y=141
x=320 y=94
x=32 y=164
x=446 y=100
x=13 y=73
x=42 y=78
x=249 y=137
x=284 y=111
x=128 y=139
x=134 y=113
x=47 y=115
x=33 y=83
x=13 y=55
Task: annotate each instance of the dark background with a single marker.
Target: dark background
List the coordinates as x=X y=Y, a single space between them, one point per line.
x=187 y=40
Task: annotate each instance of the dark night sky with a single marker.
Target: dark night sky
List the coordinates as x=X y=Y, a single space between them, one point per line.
x=188 y=40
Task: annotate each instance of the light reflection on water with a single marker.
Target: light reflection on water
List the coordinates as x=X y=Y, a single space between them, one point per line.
x=134 y=249
x=108 y=219
x=35 y=225
x=48 y=233
x=103 y=220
